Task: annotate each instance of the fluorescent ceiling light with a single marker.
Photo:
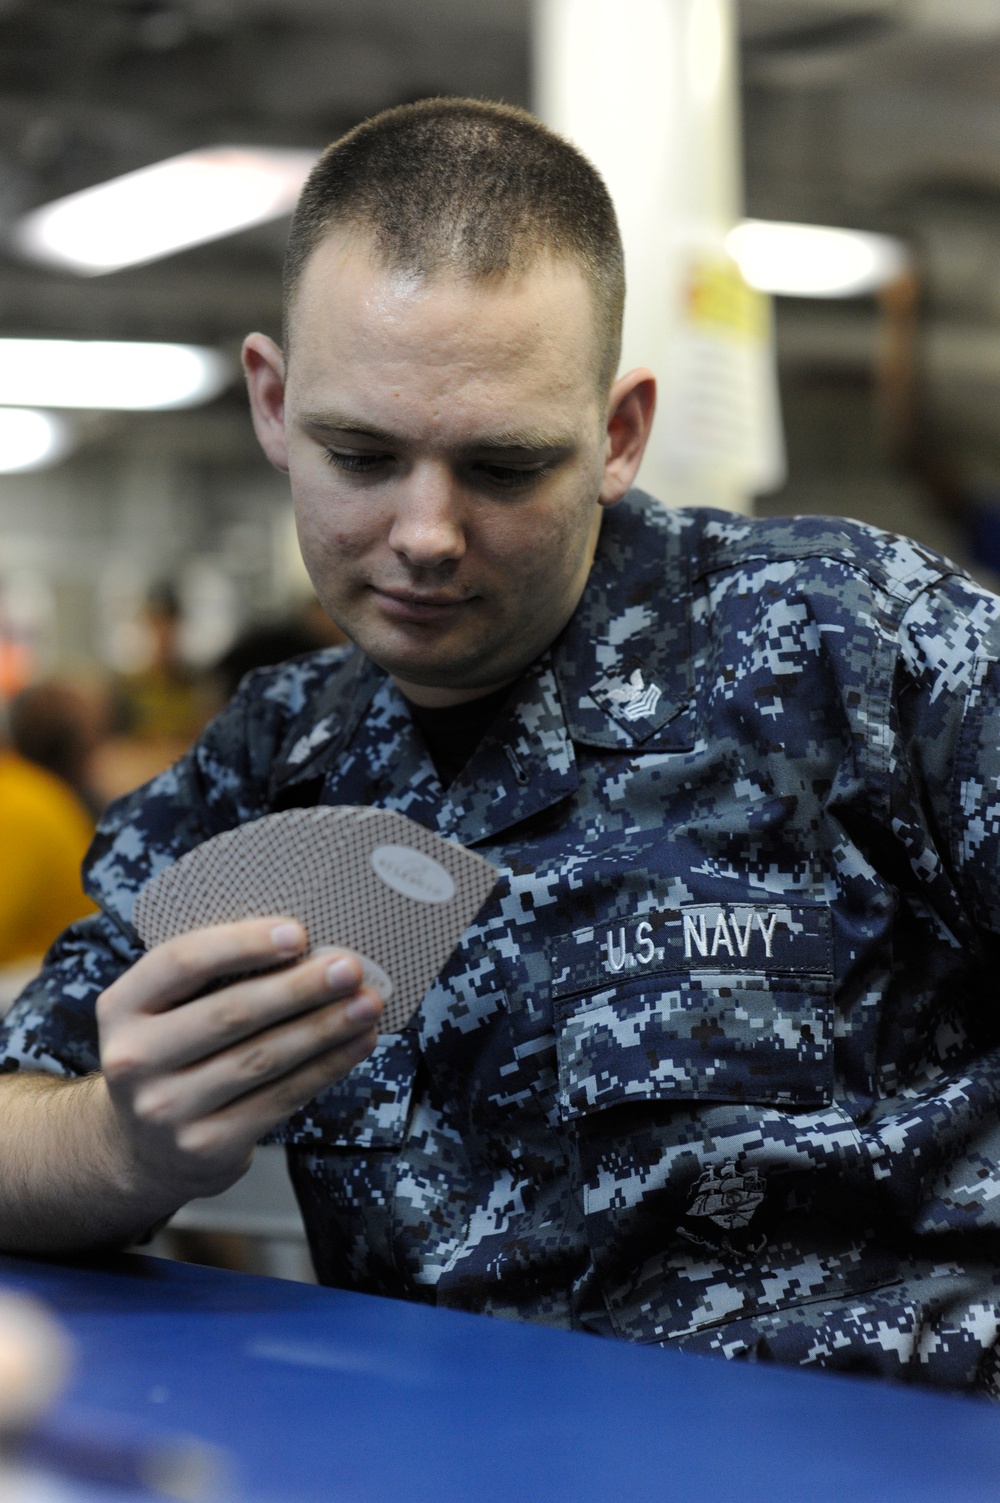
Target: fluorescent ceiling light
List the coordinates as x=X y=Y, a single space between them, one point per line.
x=31 y=440
x=811 y=260
x=161 y=209
x=109 y=375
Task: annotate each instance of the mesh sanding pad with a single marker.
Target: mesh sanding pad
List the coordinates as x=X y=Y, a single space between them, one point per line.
x=368 y=880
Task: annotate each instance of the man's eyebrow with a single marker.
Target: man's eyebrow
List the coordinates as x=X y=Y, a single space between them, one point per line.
x=531 y=440
x=332 y=422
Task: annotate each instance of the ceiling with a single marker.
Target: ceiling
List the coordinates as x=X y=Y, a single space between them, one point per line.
x=93 y=88
x=883 y=114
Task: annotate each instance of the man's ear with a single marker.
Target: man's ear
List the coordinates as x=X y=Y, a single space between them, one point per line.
x=631 y=403
x=264 y=368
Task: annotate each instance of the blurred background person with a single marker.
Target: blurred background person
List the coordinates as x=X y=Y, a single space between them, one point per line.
x=157 y=708
x=303 y=629
x=162 y=702
x=60 y=727
x=45 y=829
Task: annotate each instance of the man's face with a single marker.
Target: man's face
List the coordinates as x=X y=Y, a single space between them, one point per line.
x=447 y=449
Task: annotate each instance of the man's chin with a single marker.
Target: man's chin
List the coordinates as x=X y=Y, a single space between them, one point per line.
x=430 y=672
x=443 y=680
x=466 y=683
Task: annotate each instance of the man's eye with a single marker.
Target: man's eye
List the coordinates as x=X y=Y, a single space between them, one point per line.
x=354 y=464
x=511 y=477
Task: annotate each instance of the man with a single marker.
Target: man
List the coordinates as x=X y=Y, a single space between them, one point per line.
x=716 y=1065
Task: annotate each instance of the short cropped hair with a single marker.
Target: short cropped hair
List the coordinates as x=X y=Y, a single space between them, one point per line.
x=461 y=186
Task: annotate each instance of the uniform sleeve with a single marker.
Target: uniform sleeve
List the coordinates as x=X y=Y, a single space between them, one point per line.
x=949 y=705
x=51 y=1026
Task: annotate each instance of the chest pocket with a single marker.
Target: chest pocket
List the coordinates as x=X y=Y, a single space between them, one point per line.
x=749 y=1190
x=705 y=1003
x=369 y=1108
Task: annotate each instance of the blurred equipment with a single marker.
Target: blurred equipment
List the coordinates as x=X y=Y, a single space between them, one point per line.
x=17 y=659
x=65 y=1457
x=34 y=1358
x=880 y=114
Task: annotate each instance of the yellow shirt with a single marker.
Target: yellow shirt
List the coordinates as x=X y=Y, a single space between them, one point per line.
x=44 y=834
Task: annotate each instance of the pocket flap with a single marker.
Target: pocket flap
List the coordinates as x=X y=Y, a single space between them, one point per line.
x=721 y=1036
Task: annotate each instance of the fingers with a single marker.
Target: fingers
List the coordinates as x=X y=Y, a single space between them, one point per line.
x=194 y=1078
x=246 y=1119
x=178 y=1095
x=171 y=1040
x=183 y=967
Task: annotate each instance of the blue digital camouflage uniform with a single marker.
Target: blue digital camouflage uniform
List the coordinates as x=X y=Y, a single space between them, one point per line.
x=718 y=1065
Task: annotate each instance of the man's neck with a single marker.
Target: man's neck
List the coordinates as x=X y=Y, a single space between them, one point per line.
x=436 y=697
x=452 y=732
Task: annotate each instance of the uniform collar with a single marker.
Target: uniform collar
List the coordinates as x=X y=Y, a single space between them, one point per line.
x=624 y=661
x=361 y=747
x=325 y=726
x=524 y=763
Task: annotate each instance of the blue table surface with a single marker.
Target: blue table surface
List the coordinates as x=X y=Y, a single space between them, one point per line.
x=319 y=1394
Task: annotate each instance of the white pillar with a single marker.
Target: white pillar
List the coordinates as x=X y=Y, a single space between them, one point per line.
x=648 y=90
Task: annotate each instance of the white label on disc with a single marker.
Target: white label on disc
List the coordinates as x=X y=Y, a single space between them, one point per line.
x=413 y=874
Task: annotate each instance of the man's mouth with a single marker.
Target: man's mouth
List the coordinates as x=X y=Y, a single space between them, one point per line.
x=419 y=605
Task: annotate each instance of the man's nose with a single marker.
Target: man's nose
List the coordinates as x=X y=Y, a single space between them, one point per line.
x=427 y=528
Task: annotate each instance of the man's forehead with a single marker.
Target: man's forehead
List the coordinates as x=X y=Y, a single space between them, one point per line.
x=345 y=273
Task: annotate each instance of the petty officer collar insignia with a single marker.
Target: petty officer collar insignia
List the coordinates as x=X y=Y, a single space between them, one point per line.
x=627 y=698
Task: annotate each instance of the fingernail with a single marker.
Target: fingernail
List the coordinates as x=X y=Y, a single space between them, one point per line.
x=342 y=974
x=287 y=937
x=364 y=1009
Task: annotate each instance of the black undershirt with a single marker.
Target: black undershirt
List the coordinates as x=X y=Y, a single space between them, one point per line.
x=451 y=733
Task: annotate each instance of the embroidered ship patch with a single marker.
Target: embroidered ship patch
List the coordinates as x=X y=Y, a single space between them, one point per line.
x=723 y=1204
